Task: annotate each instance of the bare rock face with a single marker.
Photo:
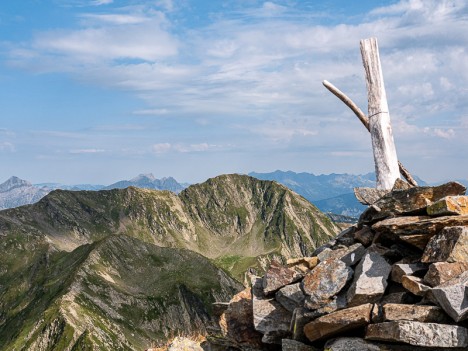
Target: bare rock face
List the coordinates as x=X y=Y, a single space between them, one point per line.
x=449 y=205
x=419 y=334
x=293 y=345
x=325 y=281
x=453 y=297
x=441 y=272
x=450 y=245
x=184 y=344
x=339 y=321
x=370 y=280
x=237 y=321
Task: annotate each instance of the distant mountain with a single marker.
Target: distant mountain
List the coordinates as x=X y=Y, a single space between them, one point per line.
x=148 y=181
x=331 y=193
x=18 y=192
x=110 y=269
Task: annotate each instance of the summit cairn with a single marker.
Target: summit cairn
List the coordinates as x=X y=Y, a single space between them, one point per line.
x=396 y=289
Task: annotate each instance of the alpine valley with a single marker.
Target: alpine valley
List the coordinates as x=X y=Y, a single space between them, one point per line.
x=124 y=269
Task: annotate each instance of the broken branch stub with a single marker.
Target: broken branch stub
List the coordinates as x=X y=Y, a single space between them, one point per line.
x=385 y=157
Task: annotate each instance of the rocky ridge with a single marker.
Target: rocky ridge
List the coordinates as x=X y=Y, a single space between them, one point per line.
x=397 y=280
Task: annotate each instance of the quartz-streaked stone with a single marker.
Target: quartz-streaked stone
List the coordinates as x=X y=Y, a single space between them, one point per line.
x=325 y=281
x=370 y=280
x=441 y=272
x=415 y=285
x=450 y=245
x=418 y=313
x=452 y=296
x=417 y=230
x=339 y=321
x=294 y=345
x=290 y=296
x=449 y=205
x=401 y=269
x=419 y=334
x=269 y=317
x=278 y=276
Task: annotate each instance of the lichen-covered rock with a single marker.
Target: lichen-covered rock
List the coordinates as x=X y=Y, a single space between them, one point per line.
x=419 y=334
x=449 y=205
x=325 y=281
x=452 y=296
x=417 y=230
x=450 y=245
x=278 y=276
x=441 y=272
x=370 y=280
x=419 y=313
x=294 y=345
x=339 y=321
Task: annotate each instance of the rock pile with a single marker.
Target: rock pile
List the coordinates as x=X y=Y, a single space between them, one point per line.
x=398 y=280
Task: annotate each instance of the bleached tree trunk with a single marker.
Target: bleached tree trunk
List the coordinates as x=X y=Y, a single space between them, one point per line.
x=385 y=156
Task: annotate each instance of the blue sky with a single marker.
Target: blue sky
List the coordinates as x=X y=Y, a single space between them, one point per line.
x=94 y=91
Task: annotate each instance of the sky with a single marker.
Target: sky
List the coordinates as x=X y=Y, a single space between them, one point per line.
x=95 y=91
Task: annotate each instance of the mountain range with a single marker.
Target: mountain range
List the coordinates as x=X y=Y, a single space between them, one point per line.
x=124 y=268
x=331 y=193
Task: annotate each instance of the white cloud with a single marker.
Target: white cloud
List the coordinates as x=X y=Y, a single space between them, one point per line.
x=161 y=148
x=102 y=2
x=87 y=151
x=6 y=146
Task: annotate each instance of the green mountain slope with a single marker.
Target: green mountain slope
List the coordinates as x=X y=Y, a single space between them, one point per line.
x=111 y=269
x=117 y=293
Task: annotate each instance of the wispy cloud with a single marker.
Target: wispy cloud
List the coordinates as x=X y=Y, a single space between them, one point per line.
x=6 y=146
x=162 y=148
x=87 y=151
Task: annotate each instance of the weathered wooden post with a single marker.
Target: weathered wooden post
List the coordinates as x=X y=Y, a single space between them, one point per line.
x=385 y=156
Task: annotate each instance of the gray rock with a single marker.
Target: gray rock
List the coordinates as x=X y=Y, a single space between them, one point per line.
x=278 y=276
x=450 y=245
x=269 y=316
x=293 y=345
x=301 y=316
x=349 y=255
x=370 y=280
x=419 y=334
x=441 y=272
x=401 y=269
x=418 y=313
x=290 y=296
x=325 y=281
x=350 y=344
x=368 y=196
x=452 y=296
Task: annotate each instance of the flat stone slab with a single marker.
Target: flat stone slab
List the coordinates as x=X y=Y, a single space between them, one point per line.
x=418 y=313
x=370 y=280
x=368 y=196
x=415 y=285
x=449 y=205
x=450 y=245
x=339 y=321
x=293 y=345
x=417 y=230
x=325 y=281
x=419 y=334
x=358 y=344
x=401 y=269
x=452 y=296
x=441 y=272
x=349 y=255
x=409 y=201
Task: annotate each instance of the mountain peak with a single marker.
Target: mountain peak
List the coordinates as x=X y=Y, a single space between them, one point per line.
x=144 y=176
x=13 y=182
